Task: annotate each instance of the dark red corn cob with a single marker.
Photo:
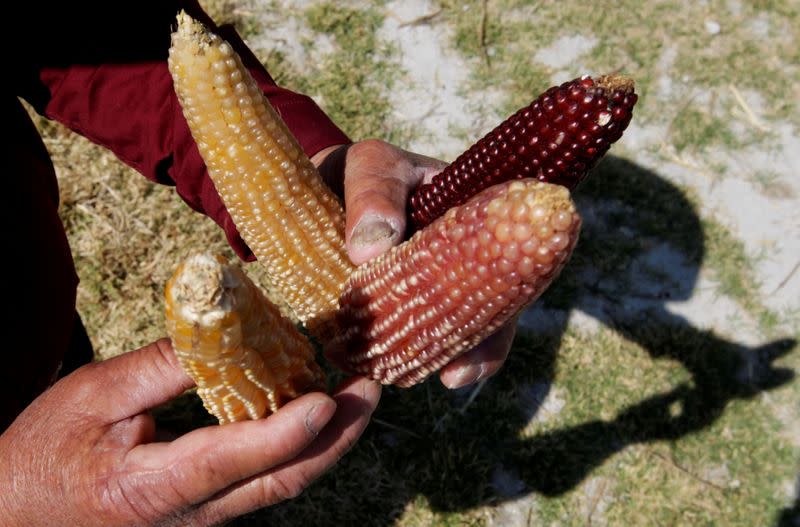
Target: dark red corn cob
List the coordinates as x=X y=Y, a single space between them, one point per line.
x=556 y=139
x=409 y=312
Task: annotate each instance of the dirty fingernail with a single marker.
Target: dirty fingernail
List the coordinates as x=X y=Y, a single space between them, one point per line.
x=370 y=231
x=319 y=415
x=466 y=375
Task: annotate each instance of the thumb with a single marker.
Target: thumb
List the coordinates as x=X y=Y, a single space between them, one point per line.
x=378 y=179
x=131 y=383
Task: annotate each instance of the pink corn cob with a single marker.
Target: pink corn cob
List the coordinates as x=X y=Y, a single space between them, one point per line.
x=452 y=284
x=556 y=139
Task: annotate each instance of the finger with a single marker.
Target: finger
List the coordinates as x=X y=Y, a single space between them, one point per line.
x=331 y=164
x=206 y=461
x=378 y=179
x=482 y=361
x=130 y=383
x=356 y=400
x=776 y=349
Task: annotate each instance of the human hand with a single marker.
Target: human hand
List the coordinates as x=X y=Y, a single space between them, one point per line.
x=375 y=179
x=83 y=453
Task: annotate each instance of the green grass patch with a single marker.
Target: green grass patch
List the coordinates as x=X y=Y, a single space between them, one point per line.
x=635 y=37
x=733 y=269
x=696 y=130
x=353 y=83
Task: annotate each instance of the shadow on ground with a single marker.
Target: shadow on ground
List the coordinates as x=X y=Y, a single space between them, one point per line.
x=642 y=244
x=790 y=516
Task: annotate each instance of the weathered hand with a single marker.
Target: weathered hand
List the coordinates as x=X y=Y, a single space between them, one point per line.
x=83 y=453
x=375 y=179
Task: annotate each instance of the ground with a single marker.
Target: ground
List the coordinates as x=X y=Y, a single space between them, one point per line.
x=656 y=382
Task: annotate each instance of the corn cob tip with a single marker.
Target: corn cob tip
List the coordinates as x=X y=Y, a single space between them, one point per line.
x=246 y=360
x=191 y=30
x=616 y=82
x=202 y=286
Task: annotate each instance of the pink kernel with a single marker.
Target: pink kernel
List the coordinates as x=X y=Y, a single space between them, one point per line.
x=538 y=214
x=525 y=266
x=469 y=247
x=530 y=246
x=505 y=265
x=561 y=220
x=503 y=232
x=457 y=232
x=511 y=251
x=544 y=255
x=519 y=212
x=522 y=232
x=498 y=285
x=542 y=270
x=543 y=231
x=558 y=242
x=498 y=207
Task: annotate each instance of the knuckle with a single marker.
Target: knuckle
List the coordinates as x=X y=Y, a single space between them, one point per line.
x=277 y=487
x=371 y=144
x=122 y=497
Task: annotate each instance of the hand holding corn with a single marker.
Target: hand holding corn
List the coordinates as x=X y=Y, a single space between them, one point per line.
x=93 y=431
x=280 y=204
x=377 y=179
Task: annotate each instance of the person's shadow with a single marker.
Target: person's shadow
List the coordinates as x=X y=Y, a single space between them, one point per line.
x=641 y=245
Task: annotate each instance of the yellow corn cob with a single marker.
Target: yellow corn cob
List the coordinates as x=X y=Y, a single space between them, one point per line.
x=292 y=222
x=246 y=359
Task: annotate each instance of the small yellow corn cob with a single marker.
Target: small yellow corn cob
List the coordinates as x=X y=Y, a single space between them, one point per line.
x=246 y=359
x=292 y=222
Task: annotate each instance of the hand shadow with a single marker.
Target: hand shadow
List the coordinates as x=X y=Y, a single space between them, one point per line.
x=642 y=245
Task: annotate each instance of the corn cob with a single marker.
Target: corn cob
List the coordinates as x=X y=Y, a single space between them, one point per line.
x=246 y=359
x=292 y=222
x=414 y=309
x=557 y=139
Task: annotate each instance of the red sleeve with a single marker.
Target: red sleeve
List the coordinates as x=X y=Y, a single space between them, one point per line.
x=131 y=108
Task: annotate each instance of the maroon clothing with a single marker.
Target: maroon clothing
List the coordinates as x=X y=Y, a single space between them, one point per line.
x=101 y=70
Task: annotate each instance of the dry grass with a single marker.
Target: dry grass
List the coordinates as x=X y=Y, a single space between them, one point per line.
x=127 y=235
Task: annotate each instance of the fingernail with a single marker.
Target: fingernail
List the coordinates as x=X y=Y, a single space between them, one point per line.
x=466 y=375
x=319 y=415
x=372 y=392
x=370 y=231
